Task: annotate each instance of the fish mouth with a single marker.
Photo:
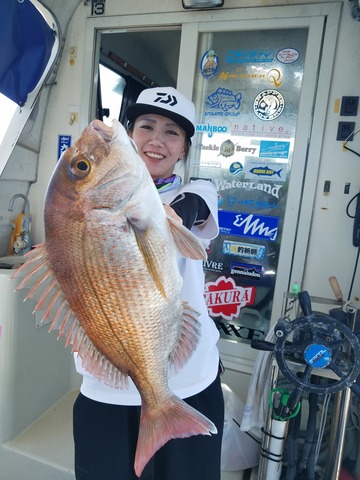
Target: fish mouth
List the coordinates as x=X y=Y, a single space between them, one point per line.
x=105 y=132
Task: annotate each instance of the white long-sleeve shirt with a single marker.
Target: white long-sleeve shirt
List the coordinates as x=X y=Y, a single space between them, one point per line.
x=202 y=367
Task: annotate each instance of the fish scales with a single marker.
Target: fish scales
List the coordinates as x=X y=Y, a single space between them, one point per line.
x=114 y=286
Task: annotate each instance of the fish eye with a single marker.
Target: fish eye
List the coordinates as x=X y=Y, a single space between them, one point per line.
x=80 y=167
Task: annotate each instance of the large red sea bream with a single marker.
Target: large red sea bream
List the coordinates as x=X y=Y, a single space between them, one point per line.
x=107 y=277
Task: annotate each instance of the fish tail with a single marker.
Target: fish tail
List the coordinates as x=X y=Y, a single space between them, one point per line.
x=172 y=420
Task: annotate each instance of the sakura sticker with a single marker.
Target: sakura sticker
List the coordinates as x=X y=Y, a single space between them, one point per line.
x=209 y=64
x=226 y=299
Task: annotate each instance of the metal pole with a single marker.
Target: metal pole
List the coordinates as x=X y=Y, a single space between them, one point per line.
x=337 y=435
x=267 y=428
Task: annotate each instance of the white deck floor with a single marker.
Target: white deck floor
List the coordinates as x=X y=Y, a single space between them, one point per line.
x=45 y=450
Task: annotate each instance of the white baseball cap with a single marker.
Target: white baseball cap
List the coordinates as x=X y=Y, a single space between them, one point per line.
x=166 y=101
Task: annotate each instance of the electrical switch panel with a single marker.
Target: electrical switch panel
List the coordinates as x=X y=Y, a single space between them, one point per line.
x=349 y=106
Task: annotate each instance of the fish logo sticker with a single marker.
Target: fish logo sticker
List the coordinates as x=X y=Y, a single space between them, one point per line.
x=224 y=99
x=226 y=299
x=269 y=104
x=209 y=64
x=270 y=170
x=266 y=171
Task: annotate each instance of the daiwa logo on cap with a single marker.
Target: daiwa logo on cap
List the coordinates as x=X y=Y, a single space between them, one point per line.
x=166 y=98
x=166 y=101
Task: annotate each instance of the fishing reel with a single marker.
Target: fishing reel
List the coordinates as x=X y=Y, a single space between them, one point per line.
x=315 y=341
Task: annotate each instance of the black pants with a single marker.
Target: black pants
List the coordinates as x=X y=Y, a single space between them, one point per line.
x=106 y=435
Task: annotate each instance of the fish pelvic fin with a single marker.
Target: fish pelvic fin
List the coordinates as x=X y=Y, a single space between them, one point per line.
x=148 y=251
x=37 y=275
x=174 y=419
x=186 y=243
x=189 y=337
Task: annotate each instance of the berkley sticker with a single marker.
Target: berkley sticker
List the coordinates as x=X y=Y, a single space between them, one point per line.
x=225 y=299
x=242 y=224
x=269 y=104
x=287 y=55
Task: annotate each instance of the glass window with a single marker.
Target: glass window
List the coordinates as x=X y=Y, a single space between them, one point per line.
x=111 y=90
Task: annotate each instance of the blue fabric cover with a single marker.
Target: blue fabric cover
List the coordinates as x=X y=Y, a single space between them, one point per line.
x=26 y=41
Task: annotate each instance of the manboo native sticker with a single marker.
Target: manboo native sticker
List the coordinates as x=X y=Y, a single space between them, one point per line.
x=226 y=299
x=269 y=104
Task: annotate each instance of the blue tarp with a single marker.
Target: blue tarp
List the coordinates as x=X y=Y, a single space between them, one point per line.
x=26 y=41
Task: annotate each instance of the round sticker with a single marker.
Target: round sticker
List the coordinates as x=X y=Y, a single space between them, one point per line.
x=288 y=55
x=235 y=168
x=269 y=104
x=317 y=355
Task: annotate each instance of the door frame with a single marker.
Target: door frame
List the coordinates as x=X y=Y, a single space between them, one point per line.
x=322 y=20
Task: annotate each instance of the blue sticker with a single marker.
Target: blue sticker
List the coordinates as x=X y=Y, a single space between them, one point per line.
x=224 y=99
x=64 y=142
x=249 y=56
x=317 y=355
x=236 y=168
x=274 y=149
x=248 y=225
x=269 y=170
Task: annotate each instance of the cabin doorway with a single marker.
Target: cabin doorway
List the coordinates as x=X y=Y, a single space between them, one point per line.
x=130 y=61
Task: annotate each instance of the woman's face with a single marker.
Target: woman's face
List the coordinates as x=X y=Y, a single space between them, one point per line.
x=160 y=142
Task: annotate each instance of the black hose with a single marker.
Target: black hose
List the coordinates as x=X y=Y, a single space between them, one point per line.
x=310 y=468
x=291 y=446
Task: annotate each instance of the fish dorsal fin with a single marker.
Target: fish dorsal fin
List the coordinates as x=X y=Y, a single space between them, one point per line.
x=187 y=244
x=147 y=245
x=188 y=339
x=36 y=273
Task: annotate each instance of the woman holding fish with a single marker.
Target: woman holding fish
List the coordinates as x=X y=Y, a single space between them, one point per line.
x=106 y=419
x=121 y=278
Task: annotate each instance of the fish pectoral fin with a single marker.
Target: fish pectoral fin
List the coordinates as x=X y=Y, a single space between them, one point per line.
x=186 y=243
x=146 y=247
